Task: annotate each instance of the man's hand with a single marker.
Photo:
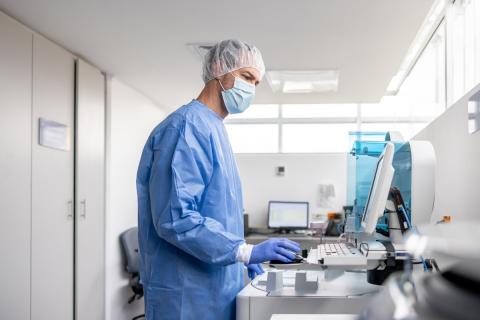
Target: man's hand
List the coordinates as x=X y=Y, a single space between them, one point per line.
x=254 y=270
x=274 y=249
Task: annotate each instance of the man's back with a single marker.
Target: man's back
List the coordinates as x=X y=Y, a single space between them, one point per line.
x=190 y=217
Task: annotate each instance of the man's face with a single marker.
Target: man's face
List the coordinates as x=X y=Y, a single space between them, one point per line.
x=248 y=74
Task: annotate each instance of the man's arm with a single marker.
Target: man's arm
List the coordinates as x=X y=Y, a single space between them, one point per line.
x=181 y=169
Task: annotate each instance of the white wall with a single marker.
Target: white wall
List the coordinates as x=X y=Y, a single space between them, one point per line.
x=130 y=118
x=304 y=173
x=458 y=163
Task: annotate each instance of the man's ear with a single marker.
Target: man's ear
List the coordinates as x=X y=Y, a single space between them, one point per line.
x=227 y=80
x=213 y=84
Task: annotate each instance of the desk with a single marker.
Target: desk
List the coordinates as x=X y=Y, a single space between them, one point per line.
x=348 y=293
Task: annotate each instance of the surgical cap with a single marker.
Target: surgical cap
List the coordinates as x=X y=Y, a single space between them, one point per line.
x=230 y=55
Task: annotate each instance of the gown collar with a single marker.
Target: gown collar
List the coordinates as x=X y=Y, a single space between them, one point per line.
x=210 y=110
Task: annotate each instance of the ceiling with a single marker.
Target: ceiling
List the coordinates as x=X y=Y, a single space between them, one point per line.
x=144 y=42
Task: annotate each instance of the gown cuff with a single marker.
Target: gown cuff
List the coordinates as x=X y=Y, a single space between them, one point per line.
x=243 y=253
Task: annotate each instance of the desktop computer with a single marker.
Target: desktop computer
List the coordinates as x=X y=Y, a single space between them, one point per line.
x=378 y=195
x=287 y=215
x=342 y=254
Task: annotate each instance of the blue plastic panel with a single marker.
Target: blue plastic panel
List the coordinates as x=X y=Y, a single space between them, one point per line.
x=361 y=165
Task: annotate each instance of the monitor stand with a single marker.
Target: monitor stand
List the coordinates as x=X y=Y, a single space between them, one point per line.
x=284 y=231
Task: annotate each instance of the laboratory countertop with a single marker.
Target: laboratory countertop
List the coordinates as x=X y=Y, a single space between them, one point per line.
x=313 y=317
x=333 y=284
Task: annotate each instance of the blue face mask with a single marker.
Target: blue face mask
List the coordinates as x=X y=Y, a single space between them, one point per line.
x=238 y=98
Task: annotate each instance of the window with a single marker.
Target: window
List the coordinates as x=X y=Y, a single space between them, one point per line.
x=463 y=48
x=407 y=129
x=300 y=128
x=387 y=108
x=309 y=128
x=423 y=91
x=301 y=138
x=319 y=111
x=253 y=138
x=261 y=111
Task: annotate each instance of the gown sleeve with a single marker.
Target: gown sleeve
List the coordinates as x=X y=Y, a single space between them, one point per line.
x=182 y=168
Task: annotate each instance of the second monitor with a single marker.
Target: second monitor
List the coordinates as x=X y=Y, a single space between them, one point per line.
x=378 y=195
x=287 y=215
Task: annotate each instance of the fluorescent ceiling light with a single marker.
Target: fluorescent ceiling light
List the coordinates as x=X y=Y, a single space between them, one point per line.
x=396 y=82
x=305 y=81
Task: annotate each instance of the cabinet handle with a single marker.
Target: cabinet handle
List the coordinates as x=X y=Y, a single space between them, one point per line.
x=83 y=213
x=70 y=209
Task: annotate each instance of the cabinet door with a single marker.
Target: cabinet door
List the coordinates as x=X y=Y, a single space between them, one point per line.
x=52 y=185
x=15 y=161
x=90 y=194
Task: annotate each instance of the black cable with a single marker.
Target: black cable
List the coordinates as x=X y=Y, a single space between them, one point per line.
x=435 y=265
x=251 y=283
x=368 y=248
x=396 y=196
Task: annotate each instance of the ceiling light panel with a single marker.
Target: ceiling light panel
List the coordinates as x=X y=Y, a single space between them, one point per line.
x=303 y=81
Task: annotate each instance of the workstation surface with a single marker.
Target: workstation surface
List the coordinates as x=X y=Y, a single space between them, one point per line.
x=337 y=293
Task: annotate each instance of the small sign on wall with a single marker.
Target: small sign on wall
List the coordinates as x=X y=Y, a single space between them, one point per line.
x=326 y=195
x=474 y=113
x=53 y=135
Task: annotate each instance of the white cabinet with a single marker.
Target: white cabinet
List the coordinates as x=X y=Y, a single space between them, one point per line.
x=15 y=179
x=52 y=185
x=52 y=201
x=90 y=193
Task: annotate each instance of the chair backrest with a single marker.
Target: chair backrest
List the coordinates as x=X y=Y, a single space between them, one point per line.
x=129 y=241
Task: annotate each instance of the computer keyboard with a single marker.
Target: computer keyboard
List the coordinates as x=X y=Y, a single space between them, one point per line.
x=340 y=254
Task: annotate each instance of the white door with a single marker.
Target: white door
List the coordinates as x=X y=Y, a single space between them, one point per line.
x=90 y=194
x=15 y=161
x=52 y=185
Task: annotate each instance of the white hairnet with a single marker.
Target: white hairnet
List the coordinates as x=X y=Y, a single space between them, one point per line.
x=230 y=55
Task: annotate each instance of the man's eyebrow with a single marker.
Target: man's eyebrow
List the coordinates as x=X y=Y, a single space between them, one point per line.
x=253 y=76
x=250 y=74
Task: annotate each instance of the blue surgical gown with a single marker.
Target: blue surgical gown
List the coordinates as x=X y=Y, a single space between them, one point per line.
x=190 y=216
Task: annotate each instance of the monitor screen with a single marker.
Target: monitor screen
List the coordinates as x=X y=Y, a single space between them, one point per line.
x=374 y=188
x=380 y=188
x=287 y=214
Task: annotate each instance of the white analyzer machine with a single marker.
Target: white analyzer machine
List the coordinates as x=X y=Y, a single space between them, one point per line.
x=346 y=255
x=371 y=250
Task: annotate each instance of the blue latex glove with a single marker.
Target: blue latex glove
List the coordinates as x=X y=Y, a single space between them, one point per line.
x=254 y=270
x=274 y=249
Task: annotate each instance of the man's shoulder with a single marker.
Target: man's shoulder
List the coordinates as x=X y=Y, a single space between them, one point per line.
x=191 y=116
x=176 y=119
x=196 y=113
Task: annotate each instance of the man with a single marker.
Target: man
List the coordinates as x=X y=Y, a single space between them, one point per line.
x=192 y=251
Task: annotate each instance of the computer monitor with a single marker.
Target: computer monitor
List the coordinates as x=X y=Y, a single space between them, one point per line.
x=378 y=196
x=287 y=215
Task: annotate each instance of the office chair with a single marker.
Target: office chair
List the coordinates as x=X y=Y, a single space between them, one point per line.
x=129 y=242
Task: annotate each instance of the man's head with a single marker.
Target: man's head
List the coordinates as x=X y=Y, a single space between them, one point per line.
x=230 y=56
x=237 y=69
